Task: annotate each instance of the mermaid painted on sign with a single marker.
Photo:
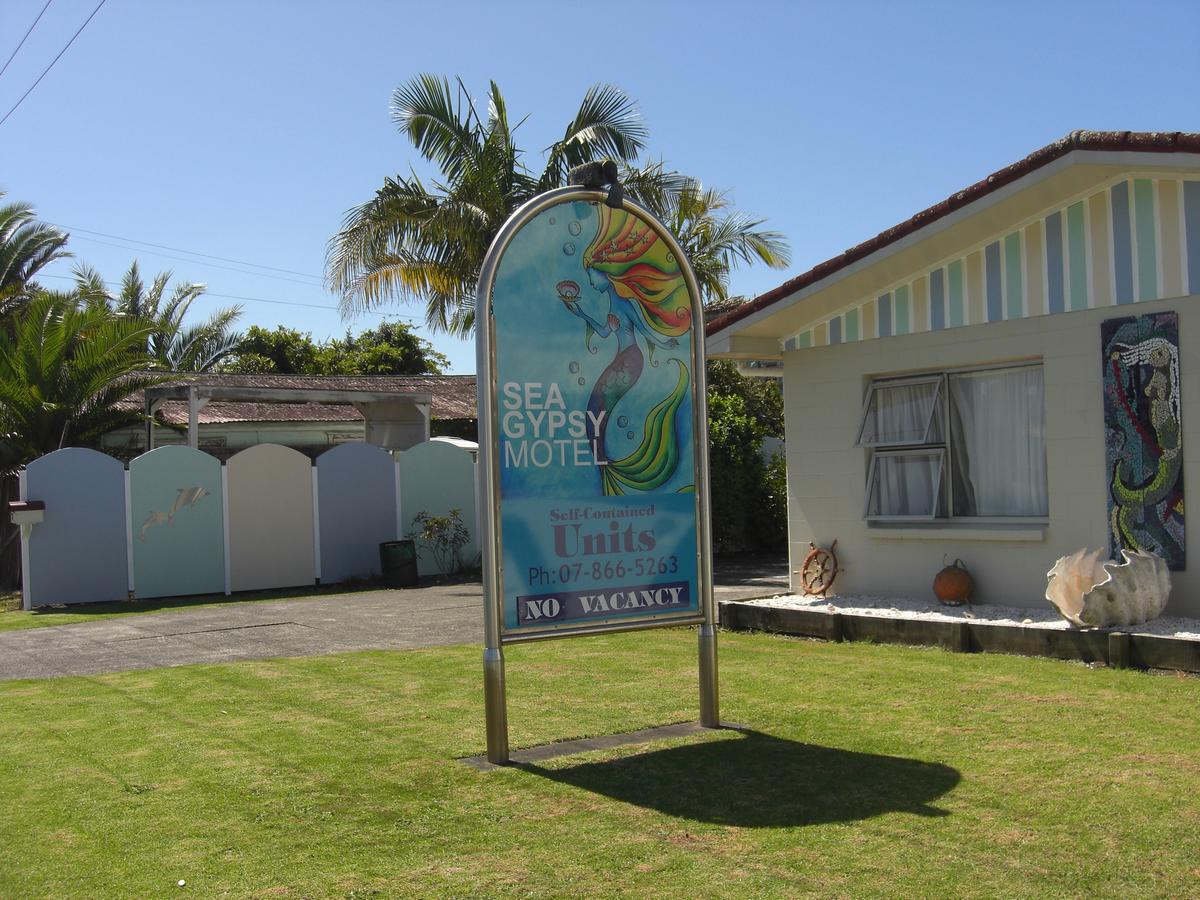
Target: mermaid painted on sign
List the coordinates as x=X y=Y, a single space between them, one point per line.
x=647 y=297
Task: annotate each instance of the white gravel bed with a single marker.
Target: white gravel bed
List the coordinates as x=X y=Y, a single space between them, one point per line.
x=981 y=613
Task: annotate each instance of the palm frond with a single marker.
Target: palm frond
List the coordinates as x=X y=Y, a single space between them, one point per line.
x=64 y=366
x=716 y=237
x=400 y=208
x=427 y=112
x=426 y=242
x=607 y=124
x=90 y=288
x=133 y=291
x=653 y=185
x=26 y=246
x=199 y=347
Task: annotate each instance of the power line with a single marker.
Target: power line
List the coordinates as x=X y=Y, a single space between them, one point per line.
x=53 y=61
x=208 y=293
x=240 y=262
x=373 y=312
x=27 y=33
x=209 y=265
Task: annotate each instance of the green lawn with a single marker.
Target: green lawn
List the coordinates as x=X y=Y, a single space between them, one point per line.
x=870 y=770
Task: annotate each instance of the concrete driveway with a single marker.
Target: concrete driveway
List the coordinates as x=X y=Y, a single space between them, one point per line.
x=334 y=623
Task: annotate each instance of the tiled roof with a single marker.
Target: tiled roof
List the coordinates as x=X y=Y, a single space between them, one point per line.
x=453 y=397
x=215 y=412
x=1139 y=141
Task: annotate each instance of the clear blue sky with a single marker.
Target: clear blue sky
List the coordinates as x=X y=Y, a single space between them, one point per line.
x=247 y=129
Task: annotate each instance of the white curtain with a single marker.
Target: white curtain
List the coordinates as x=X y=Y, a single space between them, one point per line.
x=998 y=444
x=899 y=414
x=905 y=484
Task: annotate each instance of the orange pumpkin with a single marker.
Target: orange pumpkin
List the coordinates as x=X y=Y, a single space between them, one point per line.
x=953 y=585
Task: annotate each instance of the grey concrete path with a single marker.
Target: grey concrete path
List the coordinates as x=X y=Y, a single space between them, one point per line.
x=306 y=626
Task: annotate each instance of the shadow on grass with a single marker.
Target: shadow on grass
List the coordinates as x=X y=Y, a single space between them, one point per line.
x=761 y=781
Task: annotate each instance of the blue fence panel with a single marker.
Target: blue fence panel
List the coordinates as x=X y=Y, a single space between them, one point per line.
x=356 y=509
x=79 y=553
x=178 y=523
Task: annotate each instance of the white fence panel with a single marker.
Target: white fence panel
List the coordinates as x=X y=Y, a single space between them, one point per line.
x=271 y=541
x=437 y=477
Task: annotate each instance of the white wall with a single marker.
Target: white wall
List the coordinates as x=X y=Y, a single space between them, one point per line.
x=823 y=395
x=238 y=435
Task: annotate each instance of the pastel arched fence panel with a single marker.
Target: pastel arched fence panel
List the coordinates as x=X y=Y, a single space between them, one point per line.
x=79 y=552
x=436 y=477
x=178 y=522
x=356 y=509
x=270 y=518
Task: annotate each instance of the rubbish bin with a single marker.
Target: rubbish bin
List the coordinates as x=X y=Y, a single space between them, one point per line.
x=398 y=563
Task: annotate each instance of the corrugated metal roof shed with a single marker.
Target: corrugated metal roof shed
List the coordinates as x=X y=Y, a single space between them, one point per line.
x=453 y=397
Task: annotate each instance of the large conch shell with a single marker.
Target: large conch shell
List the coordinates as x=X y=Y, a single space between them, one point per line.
x=1094 y=594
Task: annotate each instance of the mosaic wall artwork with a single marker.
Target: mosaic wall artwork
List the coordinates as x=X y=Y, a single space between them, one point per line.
x=1143 y=435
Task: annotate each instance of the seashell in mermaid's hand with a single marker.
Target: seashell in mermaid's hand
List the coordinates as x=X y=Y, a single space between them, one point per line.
x=1094 y=594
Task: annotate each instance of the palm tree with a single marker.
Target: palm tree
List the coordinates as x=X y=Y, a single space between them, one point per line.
x=26 y=246
x=411 y=241
x=63 y=369
x=716 y=237
x=173 y=345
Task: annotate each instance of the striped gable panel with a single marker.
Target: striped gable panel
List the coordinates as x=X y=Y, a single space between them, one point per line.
x=1136 y=240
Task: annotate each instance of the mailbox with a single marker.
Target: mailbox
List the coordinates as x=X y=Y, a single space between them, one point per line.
x=26 y=512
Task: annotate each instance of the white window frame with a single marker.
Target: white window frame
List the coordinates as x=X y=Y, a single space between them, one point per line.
x=941 y=407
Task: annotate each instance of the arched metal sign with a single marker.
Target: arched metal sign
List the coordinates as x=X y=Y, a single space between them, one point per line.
x=593 y=460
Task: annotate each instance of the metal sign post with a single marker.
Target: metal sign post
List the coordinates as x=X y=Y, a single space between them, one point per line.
x=593 y=451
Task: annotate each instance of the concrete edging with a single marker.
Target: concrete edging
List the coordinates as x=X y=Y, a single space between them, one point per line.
x=1116 y=648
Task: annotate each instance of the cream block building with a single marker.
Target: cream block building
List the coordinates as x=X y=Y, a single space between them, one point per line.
x=1005 y=378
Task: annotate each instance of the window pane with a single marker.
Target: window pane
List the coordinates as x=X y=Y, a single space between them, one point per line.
x=905 y=484
x=902 y=413
x=998 y=444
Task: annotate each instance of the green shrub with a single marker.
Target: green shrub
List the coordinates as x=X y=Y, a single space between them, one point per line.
x=771 y=519
x=443 y=537
x=749 y=496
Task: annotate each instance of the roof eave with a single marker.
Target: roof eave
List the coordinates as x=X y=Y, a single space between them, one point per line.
x=1080 y=147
